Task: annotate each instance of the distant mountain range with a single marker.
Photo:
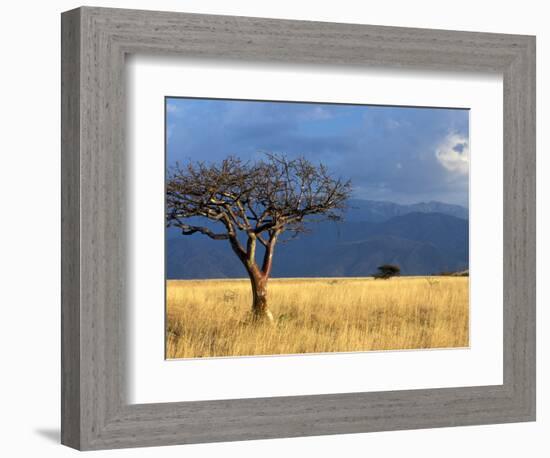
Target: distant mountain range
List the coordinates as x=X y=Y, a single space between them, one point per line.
x=423 y=239
x=378 y=211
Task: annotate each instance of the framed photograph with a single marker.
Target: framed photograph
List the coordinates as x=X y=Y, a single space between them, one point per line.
x=303 y=244
x=277 y=228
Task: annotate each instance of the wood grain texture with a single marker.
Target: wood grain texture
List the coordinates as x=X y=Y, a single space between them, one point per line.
x=96 y=414
x=70 y=229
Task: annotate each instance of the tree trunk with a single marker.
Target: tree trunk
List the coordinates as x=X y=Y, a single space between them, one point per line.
x=258 y=277
x=260 y=308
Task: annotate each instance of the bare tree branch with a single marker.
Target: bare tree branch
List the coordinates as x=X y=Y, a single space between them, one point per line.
x=187 y=229
x=260 y=200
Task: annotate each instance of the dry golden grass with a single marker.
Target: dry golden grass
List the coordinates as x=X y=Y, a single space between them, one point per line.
x=208 y=318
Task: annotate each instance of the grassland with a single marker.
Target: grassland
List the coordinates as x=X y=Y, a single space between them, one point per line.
x=207 y=318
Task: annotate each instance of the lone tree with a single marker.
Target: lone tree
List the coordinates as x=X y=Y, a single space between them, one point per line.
x=387 y=271
x=250 y=203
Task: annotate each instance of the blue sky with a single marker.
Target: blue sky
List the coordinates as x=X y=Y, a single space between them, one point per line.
x=399 y=154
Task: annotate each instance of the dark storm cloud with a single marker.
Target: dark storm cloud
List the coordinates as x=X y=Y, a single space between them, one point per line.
x=389 y=153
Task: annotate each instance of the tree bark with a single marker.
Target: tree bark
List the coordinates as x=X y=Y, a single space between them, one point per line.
x=258 y=277
x=260 y=308
x=259 y=280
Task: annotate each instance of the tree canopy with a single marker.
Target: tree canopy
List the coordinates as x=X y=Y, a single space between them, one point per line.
x=386 y=271
x=260 y=198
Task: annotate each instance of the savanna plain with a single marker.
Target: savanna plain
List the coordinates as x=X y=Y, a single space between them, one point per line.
x=211 y=318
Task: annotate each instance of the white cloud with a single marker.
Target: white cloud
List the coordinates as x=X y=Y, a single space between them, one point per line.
x=392 y=124
x=171 y=108
x=453 y=153
x=317 y=113
x=170 y=131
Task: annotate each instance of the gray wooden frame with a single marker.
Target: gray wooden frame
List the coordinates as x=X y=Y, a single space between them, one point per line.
x=95 y=413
